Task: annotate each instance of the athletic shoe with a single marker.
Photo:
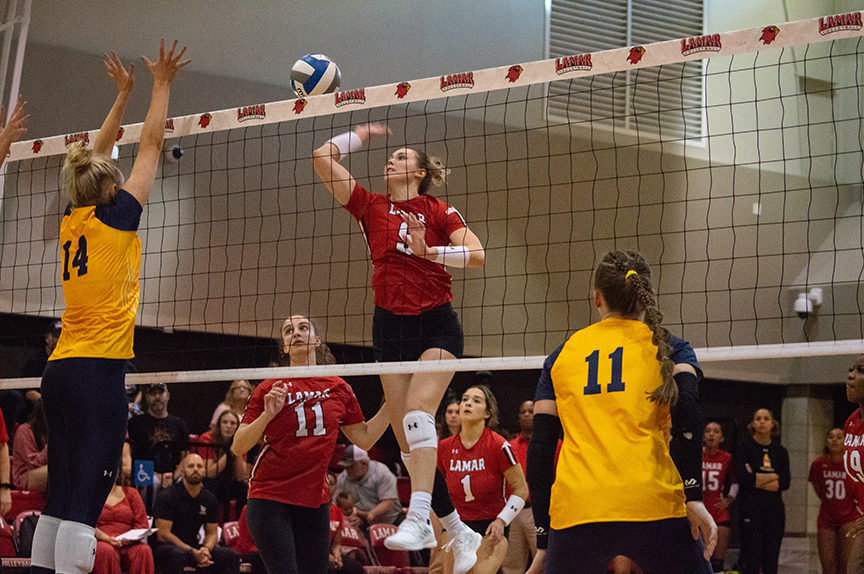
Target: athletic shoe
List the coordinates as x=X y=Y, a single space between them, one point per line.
x=464 y=547
x=412 y=535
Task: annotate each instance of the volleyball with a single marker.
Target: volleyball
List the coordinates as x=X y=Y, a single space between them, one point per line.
x=314 y=74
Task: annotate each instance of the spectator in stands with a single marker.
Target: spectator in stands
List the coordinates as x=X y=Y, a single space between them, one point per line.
x=235 y=400
x=159 y=436
x=30 y=452
x=449 y=425
x=373 y=486
x=180 y=511
x=226 y=473
x=522 y=541
x=123 y=511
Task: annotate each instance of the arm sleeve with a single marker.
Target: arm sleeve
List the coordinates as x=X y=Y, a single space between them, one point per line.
x=686 y=445
x=682 y=352
x=783 y=468
x=746 y=479
x=540 y=472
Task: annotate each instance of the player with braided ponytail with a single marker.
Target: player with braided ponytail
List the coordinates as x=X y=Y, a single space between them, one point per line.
x=612 y=388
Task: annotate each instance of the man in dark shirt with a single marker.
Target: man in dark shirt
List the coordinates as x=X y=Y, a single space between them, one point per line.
x=159 y=436
x=180 y=511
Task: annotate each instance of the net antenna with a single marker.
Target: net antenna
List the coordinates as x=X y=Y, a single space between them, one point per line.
x=14 y=26
x=738 y=216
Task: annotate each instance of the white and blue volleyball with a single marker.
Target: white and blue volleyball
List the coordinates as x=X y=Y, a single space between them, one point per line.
x=314 y=74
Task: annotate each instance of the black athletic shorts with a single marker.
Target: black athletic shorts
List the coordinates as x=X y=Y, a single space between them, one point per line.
x=406 y=337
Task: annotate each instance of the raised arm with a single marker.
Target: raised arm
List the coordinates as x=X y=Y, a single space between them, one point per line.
x=140 y=181
x=14 y=128
x=125 y=82
x=367 y=433
x=326 y=159
x=248 y=435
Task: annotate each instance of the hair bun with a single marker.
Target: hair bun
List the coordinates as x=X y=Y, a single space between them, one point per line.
x=78 y=156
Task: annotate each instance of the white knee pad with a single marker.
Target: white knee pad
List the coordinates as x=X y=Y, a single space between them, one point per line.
x=420 y=430
x=44 y=540
x=75 y=549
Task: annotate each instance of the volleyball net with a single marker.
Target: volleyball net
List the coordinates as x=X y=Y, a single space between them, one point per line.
x=732 y=162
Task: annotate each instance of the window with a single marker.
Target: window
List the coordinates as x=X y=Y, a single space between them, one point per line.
x=665 y=100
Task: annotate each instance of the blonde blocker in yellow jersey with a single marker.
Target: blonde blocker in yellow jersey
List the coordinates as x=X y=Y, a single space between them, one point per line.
x=612 y=389
x=83 y=391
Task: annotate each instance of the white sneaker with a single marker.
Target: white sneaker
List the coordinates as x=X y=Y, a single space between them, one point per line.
x=412 y=535
x=464 y=547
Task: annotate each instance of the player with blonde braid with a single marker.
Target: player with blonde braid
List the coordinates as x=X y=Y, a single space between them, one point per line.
x=618 y=490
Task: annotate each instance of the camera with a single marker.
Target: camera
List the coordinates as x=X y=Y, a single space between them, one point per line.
x=806 y=302
x=173 y=153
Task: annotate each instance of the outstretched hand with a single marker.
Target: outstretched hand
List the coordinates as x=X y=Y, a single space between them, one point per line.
x=166 y=67
x=125 y=78
x=14 y=128
x=366 y=131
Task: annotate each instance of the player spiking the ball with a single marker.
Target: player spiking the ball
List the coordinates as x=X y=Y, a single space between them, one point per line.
x=412 y=236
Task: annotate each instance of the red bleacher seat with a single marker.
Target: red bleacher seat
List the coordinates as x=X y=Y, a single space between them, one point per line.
x=7 y=547
x=24 y=500
x=403 y=487
x=383 y=555
x=353 y=538
x=230 y=533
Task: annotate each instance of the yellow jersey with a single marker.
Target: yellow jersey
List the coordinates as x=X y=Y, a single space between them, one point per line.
x=614 y=464
x=100 y=253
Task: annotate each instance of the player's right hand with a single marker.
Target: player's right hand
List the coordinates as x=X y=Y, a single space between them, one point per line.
x=366 y=131
x=274 y=400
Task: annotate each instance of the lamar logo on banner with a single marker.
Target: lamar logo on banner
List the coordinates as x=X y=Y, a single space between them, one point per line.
x=251 y=113
x=350 y=97
x=465 y=80
x=831 y=24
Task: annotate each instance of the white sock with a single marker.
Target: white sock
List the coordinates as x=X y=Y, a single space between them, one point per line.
x=452 y=523
x=420 y=507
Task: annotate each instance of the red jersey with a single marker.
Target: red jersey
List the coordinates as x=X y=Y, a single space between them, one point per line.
x=854 y=443
x=835 y=491
x=717 y=477
x=475 y=476
x=404 y=284
x=300 y=440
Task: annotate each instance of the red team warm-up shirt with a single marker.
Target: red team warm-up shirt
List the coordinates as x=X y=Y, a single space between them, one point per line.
x=475 y=476
x=835 y=490
x=404 y=284
x=717 y=477
x=854 y=443
x=300 y=440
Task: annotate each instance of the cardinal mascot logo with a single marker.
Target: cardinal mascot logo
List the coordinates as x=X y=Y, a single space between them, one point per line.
x=120 y=133
x=513 y=73
x=37 y=146
x=402 y=90
x=769 y=34
x=636 y=54
x=204 y=120
x=299 y=105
